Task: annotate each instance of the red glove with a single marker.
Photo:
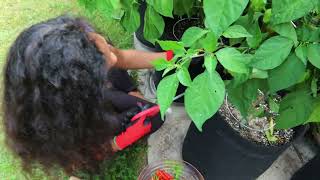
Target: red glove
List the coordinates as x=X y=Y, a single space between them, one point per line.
x=143 y=123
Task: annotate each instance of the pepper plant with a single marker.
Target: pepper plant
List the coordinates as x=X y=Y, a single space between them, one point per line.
x=273 y=47
x=270 y=46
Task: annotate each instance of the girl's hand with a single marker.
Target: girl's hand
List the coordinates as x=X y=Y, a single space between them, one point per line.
x=110 y=53
x=100 y=42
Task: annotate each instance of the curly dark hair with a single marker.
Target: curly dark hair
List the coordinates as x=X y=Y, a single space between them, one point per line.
x=55 y=111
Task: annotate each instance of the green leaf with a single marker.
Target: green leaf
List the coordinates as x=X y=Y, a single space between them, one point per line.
x=210 y=62
x=153 y=25
x=274 y=107
x=267 y=16
x=253 y=28
x=272 y=53
x=166 y=91
x=192 y=34
x=106 y=6
x=220 y=14
x=233 y=60
x=314 y=54
x=177 y=47
x=115 y=4
x=131 y=19
x=184 y=76
x=209 y=42
x=257 y=5
x=238 y=79
x=314 y=86
x=308 y=34
x=286 y=30
x=271 y=137
x=161 y=64
x=315 y=115
x=244 y=94
x=289 y=10
x=287 y=74
x=295 y=109
x=259 y=74
x=167 y=70
x=204 y=97
x=236 y=31
x=164 y=7
x=254 y=41
x=182 y=7
x=301 y=52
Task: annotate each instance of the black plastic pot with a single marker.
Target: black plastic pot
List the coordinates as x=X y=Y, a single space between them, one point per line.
x=165 y=36
x=309 y=171
x=219 y=152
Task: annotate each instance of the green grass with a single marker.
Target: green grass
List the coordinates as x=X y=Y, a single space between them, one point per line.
x=16 y=15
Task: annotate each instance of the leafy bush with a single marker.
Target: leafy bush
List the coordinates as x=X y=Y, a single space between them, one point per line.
x=127 y=11
x=271 y=46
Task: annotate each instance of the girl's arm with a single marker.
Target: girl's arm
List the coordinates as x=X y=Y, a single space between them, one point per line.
x=135 y=59
x=126 y=59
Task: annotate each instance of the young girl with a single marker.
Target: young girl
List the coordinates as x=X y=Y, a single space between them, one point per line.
x=66 y=100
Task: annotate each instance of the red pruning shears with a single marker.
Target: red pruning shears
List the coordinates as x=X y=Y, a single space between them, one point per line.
x=150 y=112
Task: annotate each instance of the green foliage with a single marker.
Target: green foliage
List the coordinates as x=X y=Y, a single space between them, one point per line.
x=301 y=52
x=258 y=5
x=272 y=53
x=243 y=95
x=209 y=42
x=192 y=35
x=253 y=28
x=183 y=7
x=219 y=16
x=308 y=34
x=153 y=25
x=314 y=86
x=233 y=60
x=125 y=165
x=184 y=76
x=314 y=55
x=315 y=115
x=287 y=30
x=163 y=7
x=177 y=47
x=265 y=45
x=166 y=91
x=295 y=110
x=236 y=31
x=210 y=63
x=287 y=10
x=274 y=107
x=204 y=97
x=161 y=64
x=131 y=18
x=283 y=76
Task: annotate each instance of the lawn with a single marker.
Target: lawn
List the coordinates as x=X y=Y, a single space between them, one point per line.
x=15 y=15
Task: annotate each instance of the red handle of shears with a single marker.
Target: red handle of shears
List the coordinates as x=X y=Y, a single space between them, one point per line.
x=147 y=113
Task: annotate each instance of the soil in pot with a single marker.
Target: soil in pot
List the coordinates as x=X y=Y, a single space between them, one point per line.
x=254 y=128
x=228 y=150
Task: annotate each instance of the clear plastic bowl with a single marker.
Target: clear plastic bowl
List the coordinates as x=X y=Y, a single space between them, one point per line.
x=180 y=170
